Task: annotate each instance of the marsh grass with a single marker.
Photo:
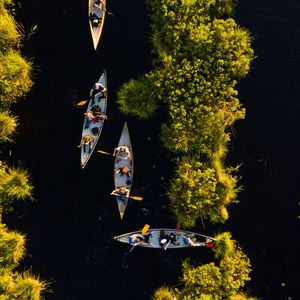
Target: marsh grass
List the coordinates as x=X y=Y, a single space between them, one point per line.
x=8 y=125
x=224 y=245
x=137 y=98
x=24 y=286
x=15 y=185
x=12 y=247
x=163 y=293
x=242 y=296
x=10 y=32
x=15 y=79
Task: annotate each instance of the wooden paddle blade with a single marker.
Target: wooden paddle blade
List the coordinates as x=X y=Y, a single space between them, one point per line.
x=103 y=152
x=81 y=103
x=136 y=198
x=145 y=228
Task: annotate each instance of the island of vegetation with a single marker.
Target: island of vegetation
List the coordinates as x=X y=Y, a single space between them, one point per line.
x=15 y=183
x=200 y=54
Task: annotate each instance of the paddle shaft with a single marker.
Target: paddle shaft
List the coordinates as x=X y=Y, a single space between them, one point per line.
x=103 y=152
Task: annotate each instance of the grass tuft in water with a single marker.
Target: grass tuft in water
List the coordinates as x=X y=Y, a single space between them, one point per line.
x=12 y=248
x=8 y=125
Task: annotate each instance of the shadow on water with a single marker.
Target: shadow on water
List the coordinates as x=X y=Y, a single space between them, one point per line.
x=70 y=227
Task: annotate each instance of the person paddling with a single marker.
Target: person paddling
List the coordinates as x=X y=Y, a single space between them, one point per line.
x=98 y=88
x=121 y=191
x=86 y=141
x=122 y=152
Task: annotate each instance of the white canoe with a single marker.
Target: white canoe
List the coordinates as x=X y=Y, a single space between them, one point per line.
x=155 y=235
x=96 y=31
x=86 y=152
x=119 y=179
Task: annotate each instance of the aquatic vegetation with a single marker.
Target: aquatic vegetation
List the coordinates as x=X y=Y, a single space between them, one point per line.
x=10 y=32
x=216 y=281
x=199 y=58
x=8 y=125
x=21 y=286
x=200 y=54
x=15 y=77
x=163 y=293
x=12 y=248
x=137 y=97
x=15 y=185
x=224 y=245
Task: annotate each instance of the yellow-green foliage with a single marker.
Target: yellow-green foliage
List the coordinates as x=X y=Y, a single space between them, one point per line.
x=163 y=293
x=235 y=269
x=137 y=97
x=224 y=245
x=14 y=185
x=10 y=34
x=22 y=286
x=15 y=77
x=204 y=281
x=241 y=296
x=12 y=248
x=8 y=125
x=198 y=191
x=216 y=281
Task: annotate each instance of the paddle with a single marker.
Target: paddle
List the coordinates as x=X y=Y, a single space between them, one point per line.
x=81 y=103
x=137 y=198
x=103 y=152
x=144 y=230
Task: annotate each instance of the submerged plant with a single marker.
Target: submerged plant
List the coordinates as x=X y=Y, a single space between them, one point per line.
x=8 y=125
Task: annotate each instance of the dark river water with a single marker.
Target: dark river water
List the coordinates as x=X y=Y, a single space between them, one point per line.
x=71 y=225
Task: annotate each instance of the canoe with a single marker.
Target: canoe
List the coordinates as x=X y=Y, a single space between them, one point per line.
x=155 y=235
x=119 y=179
x=90 y=128
x=96 y=31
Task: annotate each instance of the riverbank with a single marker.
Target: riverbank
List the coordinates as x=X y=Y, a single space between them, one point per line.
x=15 y=182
